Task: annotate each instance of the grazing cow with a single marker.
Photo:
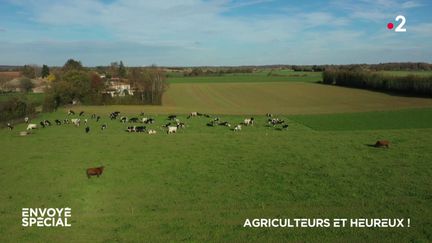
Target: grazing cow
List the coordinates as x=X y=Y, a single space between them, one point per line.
x=93 y=116
x=216 y=119
x=31 y=126
x=98 y=118
x=150 y=121
x=167 y=125
x=248 y=121
x=26 y=119
x=382 y=144
x=151 y=131
x=140 y=129
x=212 y=124
x=225 y=123
x=208 y=116
x=103 y=127
x=58 y=122
x=133 y=119
x=66 y=121
x=285 y=126
x=144 y=119
x=87 y=129
x=94 y=171
x=237 y=128
x=71 y=112
x=42 y=124
x=172 y=130
x=10 y=126
x=76 y=121
x=275 y=121
x=180 y=125
x=194 y=113
x=85 y=121
x=47 y=123
x=81 y=113
x=123 y=119
x=172 y=117
x=269 y=115
x=131 y=129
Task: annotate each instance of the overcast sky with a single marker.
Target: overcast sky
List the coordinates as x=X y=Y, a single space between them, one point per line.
x=212 y=32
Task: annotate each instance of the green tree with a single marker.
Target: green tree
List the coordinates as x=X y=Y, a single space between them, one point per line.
x=121 y=70
x=45 y=71
x=72 y=64
x=28 y=71
x=26 y=85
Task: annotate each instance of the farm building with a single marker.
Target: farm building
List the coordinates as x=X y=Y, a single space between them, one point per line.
x=119 y=88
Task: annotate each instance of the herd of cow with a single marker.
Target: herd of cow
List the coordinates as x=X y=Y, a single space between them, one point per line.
x=172 y=126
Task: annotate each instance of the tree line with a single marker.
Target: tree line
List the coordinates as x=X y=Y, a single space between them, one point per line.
x=76 y=83
x=411 y=84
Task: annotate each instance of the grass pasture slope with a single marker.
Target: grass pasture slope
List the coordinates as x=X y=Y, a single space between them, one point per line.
x=202 y=183
x=277 y=76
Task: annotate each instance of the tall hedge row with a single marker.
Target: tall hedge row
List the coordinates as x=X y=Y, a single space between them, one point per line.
x=14 y=108
x=411 y=84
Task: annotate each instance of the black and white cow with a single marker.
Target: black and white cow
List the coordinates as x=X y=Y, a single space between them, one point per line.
x=87 y=129
x=123 y=119
x=103 y=127
x=42 y=124
x=76 y=121
x=275 y=121
x=131 y=129
x=248 y=121
x=10 y=126
x=81 y=113
x=225 y=123
x=98 y=118
x=134 y=120
x=150 y=121
x=58 y=122
x=140 y=129
x=71 y=112
x=26 y=119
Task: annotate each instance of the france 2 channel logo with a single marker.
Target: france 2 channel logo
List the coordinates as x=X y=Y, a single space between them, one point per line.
x=400 y=27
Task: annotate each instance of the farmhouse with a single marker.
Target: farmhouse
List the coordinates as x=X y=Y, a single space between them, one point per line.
x=118 y=88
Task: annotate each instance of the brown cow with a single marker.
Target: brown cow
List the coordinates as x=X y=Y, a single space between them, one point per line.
x=382 y=144
x=95 y=171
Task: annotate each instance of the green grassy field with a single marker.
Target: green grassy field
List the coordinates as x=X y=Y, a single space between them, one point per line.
x=278 y=76
x=203 y=182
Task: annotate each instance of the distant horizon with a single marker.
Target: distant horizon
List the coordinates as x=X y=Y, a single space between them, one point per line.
x=214 y=32
x=214 y=66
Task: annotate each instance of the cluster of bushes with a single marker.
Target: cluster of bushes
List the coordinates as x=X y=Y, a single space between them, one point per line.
x=410 y=84
x=15 y=107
